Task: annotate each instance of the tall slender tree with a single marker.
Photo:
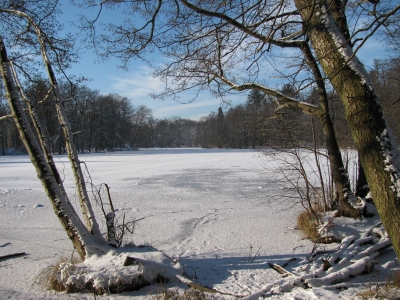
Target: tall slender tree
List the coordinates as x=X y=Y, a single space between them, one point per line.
x=86 y=239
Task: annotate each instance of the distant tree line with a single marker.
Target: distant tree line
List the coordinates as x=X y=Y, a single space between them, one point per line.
x=98 y=122
x=111 y=122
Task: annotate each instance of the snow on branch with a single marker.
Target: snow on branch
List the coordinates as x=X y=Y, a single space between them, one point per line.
x=281 y=98
x=344 y=48
x=6 y=117
x=392 y=161
x=361 y=266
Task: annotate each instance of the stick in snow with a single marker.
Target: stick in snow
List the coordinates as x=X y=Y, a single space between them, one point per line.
x=12 y=255
x=288 y=261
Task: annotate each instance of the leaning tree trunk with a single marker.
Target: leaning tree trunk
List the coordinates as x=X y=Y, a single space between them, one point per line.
x=79 y=235
x=86 y=207
x=87 y=211
x=38 y=129
x=374 y=141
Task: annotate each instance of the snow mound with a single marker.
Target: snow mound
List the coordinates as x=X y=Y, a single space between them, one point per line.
x=124 y=269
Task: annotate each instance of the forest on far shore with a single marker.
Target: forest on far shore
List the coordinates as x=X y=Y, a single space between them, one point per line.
x=112 y=122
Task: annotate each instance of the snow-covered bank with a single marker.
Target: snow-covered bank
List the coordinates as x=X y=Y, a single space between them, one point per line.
x=200 y=206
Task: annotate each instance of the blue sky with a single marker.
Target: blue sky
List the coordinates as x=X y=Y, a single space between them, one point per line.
x=137 y=82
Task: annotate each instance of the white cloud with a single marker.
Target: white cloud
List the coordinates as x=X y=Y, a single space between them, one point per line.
x=137 y=84
x=193 y=110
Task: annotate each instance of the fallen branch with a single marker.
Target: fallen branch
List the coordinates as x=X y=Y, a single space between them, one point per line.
x=360 y=267
x=280 y=270
x=353 y=257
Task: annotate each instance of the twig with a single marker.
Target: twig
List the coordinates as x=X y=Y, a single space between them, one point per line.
x=109 y=197
x=258 y=251
x=199 y=287
x=288 y=261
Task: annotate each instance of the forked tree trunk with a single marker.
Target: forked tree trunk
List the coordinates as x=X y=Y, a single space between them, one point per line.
x=374 y=141
x=76 y=231
x=84 y=201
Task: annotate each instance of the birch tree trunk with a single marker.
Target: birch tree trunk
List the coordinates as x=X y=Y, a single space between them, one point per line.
x=86 y=207
x=38 y=129
x=378 y=151
x=76 y=231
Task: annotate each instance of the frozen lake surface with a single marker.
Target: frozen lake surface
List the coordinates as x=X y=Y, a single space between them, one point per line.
x=203 y=206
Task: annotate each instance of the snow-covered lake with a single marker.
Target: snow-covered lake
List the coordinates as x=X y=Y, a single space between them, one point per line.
x=203 y=206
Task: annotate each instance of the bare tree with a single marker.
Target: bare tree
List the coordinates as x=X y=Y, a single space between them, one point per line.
x=77 y=232
x=220 y=46
x=140 y=116
x=85 y=239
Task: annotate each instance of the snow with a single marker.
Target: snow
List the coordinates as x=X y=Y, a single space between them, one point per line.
x=344 y=48
x=199 y=214
x=392 y=160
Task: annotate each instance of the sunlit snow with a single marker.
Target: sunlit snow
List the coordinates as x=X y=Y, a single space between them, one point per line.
x=207 y=209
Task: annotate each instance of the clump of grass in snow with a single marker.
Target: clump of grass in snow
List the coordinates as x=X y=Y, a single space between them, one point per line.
x=308 y=223
x=49 y=277
x=389 y=290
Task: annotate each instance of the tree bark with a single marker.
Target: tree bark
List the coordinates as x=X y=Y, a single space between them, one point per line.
x=339 y=173
x=362 y=188
x=374 y=141
x=38 y=129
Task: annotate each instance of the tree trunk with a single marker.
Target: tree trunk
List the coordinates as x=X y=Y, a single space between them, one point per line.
x=38 y=129
x=135 y=135
x=338 y=171
x=76 y=231
x=86 y=207
x=3 y=151
x=362 y=188
x=339 y=174
x=374 y=141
